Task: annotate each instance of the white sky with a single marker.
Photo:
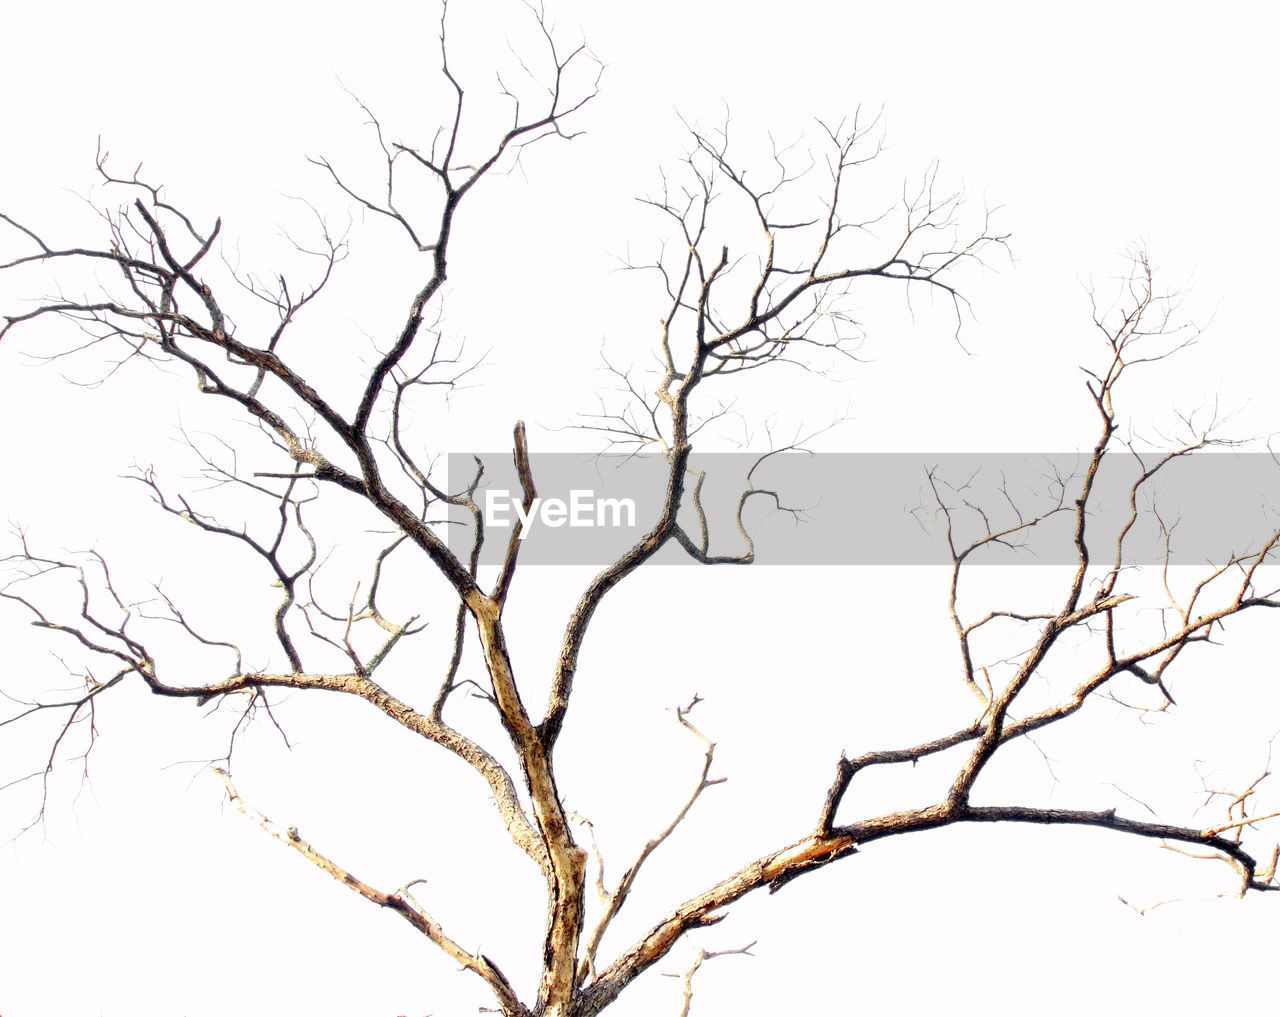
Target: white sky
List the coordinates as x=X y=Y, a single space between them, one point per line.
x=1093 y=128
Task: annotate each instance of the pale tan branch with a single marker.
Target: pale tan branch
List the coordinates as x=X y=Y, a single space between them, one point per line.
x=401 y=902
x=703 y=955
x=613 y=902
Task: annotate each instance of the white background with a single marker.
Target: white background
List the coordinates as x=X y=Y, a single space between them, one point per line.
x=1094 y=127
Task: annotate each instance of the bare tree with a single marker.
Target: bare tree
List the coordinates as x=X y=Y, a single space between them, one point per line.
x=761 y=268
